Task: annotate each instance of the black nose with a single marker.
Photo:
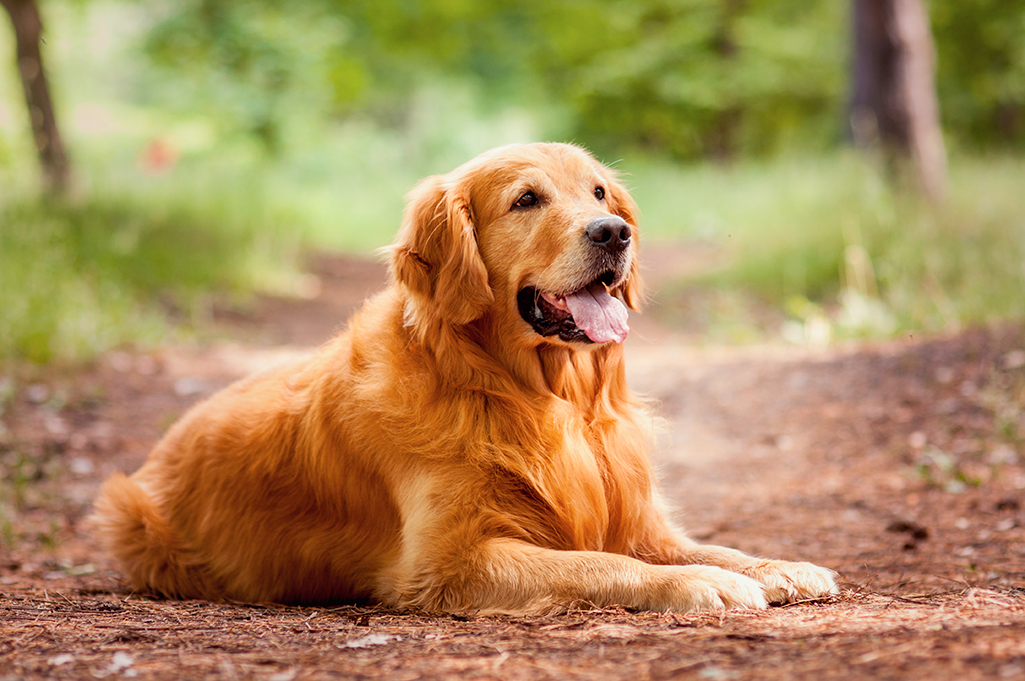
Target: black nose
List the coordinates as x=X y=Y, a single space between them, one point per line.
x=611 y=233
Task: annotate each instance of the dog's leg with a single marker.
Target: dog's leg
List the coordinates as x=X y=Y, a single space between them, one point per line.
x=510 y=576
x=785 y=581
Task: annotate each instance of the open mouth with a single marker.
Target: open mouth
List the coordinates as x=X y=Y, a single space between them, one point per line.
x=589 y=315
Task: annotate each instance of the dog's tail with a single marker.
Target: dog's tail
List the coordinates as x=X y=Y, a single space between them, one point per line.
x=132 y=528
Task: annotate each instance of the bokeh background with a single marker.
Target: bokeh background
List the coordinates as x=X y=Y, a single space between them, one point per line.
x=211 y=145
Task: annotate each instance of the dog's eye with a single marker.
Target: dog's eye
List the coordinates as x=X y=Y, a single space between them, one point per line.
x=599 y=193
x=526 y=201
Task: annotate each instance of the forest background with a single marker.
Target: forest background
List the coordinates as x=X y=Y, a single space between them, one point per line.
x=212 y=144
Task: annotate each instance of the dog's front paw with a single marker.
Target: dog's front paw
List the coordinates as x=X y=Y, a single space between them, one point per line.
x=700 y=587
x=787 y=582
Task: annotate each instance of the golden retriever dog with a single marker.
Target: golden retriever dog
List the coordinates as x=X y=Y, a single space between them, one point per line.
x=468 y=445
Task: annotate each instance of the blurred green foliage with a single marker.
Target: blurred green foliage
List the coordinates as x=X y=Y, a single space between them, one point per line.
x=256 y=65
x=78 y=277
x=684 y=78
x=700 y=77
x=981 y=73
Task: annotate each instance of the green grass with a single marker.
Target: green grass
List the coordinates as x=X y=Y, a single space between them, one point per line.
x=82 y=275
x=782 y=222
x=829 y=235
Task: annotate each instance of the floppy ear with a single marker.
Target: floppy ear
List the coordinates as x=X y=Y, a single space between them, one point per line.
x=622 y=204
x=435 y=254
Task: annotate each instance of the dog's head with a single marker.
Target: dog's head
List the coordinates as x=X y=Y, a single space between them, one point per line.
x=541 y=237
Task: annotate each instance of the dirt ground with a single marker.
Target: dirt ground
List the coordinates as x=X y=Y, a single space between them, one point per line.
x=898 y=464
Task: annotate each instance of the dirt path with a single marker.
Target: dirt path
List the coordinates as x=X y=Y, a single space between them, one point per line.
x=898 y=464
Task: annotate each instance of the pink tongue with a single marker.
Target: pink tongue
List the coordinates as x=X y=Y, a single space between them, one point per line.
x=599 y=315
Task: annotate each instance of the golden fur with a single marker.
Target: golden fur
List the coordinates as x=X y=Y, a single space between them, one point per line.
x=440 y=454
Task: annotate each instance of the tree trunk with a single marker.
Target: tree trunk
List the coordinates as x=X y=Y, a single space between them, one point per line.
x=28 y=28
x=894 y=95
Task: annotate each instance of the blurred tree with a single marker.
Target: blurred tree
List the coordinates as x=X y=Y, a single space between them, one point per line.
x=28 y=29
x=894 y=91
x=688 y=78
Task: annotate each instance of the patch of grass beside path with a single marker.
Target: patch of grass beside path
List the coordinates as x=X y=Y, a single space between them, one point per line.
x=832 y=242
x=81 y=276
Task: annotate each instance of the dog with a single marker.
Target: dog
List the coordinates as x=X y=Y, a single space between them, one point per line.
x=467 y=445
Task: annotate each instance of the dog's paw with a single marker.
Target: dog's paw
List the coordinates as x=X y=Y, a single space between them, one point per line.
x=700 y=587
x=787 y=582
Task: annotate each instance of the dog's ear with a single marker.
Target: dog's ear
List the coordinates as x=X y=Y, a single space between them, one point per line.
x=435 y=254
x=622 y=204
